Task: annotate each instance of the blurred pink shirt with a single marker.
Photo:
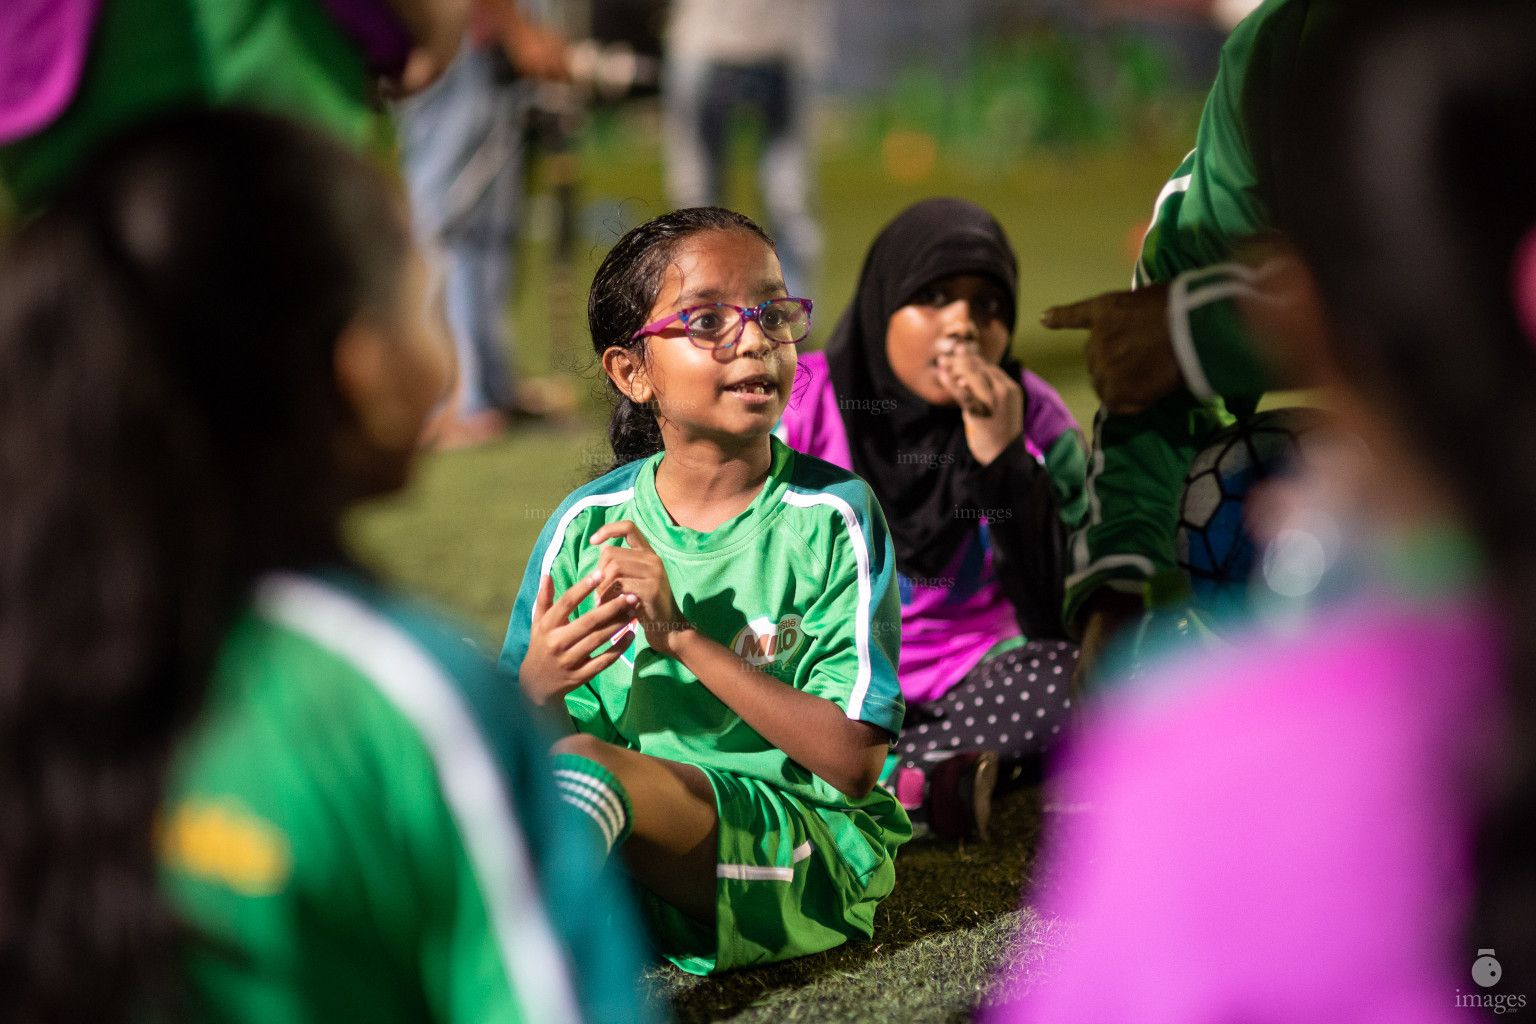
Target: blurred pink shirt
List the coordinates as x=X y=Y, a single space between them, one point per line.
x=43 y=44
x=1279 y=832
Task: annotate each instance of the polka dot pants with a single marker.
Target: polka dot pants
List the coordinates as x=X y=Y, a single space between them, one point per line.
x=1016 y=703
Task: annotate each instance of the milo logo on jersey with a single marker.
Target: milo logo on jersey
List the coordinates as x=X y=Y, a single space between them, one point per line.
x=761 y=643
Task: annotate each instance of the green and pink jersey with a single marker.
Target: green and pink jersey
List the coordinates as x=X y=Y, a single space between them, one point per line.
x=949 y=623
x=75 y=71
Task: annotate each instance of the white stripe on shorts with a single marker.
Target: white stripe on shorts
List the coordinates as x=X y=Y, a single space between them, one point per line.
x=758 y=873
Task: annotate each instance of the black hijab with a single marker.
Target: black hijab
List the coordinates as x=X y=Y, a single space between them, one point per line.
x=934 y=239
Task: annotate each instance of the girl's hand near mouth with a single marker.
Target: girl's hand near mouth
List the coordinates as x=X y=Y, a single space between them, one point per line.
x=991 y=403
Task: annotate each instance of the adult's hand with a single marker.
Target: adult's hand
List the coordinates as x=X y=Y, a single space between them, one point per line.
x=1130 y=354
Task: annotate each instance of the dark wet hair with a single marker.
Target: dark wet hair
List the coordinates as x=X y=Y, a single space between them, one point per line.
x=168 y=413
x=1419 y=186
x=623 y=292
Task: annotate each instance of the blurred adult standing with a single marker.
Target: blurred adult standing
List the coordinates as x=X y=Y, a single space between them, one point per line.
x=463 y=143
x=724 y=57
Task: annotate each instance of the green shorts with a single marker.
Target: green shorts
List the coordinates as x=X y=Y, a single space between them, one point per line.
x=790 y=879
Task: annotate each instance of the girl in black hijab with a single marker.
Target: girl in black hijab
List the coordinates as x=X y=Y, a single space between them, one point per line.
x=979 y=469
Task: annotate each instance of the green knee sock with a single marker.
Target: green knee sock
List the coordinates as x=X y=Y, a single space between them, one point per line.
x=593 y=790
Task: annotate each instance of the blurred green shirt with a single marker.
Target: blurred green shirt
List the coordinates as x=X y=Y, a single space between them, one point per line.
x=363 y=826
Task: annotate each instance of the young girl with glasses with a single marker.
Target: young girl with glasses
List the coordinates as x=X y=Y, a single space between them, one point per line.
x=716 y=619
x=980 y=467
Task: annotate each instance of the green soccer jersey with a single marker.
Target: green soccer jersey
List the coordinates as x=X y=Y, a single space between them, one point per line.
x=801 y=585
x=1227 y=190
x=362 y=826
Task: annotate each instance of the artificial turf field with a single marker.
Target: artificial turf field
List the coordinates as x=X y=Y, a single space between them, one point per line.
x=462 y=533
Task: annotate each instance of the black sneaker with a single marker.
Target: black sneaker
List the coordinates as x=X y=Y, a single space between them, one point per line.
x=960 y=795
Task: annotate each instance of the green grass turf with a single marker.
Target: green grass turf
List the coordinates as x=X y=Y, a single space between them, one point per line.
x=462 y=534
x=948 y=938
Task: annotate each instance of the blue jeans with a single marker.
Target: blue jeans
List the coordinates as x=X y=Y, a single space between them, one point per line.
x=462 y=142
x=699 y=100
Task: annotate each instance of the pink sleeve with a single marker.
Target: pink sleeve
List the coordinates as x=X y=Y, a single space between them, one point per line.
x=812 y=422
x=1046 y=416
x=44 y=43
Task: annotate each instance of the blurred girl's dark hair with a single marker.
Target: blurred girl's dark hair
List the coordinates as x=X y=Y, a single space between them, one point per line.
x=1421 y=151
x=623 y=292
x=168 y=420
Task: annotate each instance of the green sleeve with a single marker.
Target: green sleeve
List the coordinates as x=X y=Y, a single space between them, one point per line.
x=1215 y=200
x=290 y=57
x=1066 y=461
x=331 y=832
x=587 y=901
x=556 y=547
x=1210 y=338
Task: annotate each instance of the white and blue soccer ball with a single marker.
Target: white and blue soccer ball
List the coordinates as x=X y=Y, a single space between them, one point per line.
x=1216 y=552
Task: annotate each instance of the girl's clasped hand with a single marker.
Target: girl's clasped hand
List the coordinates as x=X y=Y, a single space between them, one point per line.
x=991 y=402
x=633 y=586
x=561 y=650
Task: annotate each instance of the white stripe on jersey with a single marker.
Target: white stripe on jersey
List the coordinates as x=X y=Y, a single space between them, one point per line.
x=1240 y=271
x=861 y=557
x=472 y=784
x=558 y=539
x=1140 y=563
x=1183 y=298
x=1221 y=290
x=1095 y=469
x=1184 y=340
x=1141 y=276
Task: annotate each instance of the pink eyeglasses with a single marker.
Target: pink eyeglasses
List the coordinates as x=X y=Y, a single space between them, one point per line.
x=720 y=325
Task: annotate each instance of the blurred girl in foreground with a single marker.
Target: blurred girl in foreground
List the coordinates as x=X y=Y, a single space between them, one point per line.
x=1330 y=827
x=239 y=780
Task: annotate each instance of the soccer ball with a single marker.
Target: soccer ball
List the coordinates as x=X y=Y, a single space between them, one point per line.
x=1215 y=551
